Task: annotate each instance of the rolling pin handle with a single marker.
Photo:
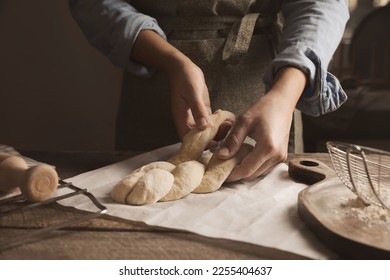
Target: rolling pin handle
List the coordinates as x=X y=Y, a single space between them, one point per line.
x=36 y=183
x=12 y=168
x=39 y=183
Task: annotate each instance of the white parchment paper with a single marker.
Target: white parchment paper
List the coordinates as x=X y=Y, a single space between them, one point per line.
x=262 y=212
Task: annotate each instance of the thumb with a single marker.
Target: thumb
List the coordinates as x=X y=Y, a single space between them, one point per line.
x=200 y=109
x=233 y=142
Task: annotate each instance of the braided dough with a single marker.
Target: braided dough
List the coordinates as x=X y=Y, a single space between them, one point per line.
x=195 y=141
x=191 y=169
x=218 y=170
x=188 y=176
x=151 y=187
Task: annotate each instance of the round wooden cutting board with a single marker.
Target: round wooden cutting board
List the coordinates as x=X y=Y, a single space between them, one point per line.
x=327 y=208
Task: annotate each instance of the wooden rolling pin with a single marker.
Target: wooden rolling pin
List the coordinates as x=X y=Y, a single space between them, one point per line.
x=37 y=183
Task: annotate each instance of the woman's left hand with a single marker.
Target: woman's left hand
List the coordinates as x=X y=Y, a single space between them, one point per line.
x=268 y=122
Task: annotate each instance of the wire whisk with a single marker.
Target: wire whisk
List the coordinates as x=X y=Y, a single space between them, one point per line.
x=364 y=170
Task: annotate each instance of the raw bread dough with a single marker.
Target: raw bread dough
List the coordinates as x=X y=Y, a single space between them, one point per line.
x=205 y=157
x=151 y=187
x=183 y=173
x=195 y=141
x=218 y=170
x=188 y=176
x=122 y=189
x=157 y=164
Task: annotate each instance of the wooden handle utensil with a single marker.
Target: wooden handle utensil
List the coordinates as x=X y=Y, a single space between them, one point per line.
x=37 y=183
x=309 y=171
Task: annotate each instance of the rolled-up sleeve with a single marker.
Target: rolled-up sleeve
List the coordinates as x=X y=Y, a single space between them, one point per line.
x=112 y=27
x=311 y=33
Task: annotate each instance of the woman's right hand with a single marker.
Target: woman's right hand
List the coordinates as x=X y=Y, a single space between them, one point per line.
x=190 y=102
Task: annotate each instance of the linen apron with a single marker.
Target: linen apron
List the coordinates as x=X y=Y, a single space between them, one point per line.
x=232 y=41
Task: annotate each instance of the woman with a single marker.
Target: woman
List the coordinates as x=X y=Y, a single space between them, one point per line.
x=189 y=58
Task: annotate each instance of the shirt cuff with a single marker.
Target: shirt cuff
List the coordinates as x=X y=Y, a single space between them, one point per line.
x=323 y=93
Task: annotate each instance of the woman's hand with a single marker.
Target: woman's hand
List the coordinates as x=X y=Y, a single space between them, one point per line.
x=268 y=122
x=190 y=103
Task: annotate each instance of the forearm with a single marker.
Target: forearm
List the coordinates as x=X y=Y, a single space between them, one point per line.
x=112 y=27
x=152 y=50
x=311 y=33
x=288 y=86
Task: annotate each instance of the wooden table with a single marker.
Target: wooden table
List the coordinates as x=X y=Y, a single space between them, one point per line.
x=107 y=237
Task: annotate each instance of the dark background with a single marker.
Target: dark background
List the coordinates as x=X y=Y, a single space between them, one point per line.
x=57 y=93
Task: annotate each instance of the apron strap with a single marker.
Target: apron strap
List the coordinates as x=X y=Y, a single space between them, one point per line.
x=240 y=36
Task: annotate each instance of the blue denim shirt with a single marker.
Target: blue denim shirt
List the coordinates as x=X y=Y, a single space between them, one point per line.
x=312 y=31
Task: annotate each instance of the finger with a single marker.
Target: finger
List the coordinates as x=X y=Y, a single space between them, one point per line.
x=235 y=138
x=183 y=122
x=200 y=108
x=248 y=167
x=223 y=130
x=212 y=144
x=263 y=170
x=257 y=163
